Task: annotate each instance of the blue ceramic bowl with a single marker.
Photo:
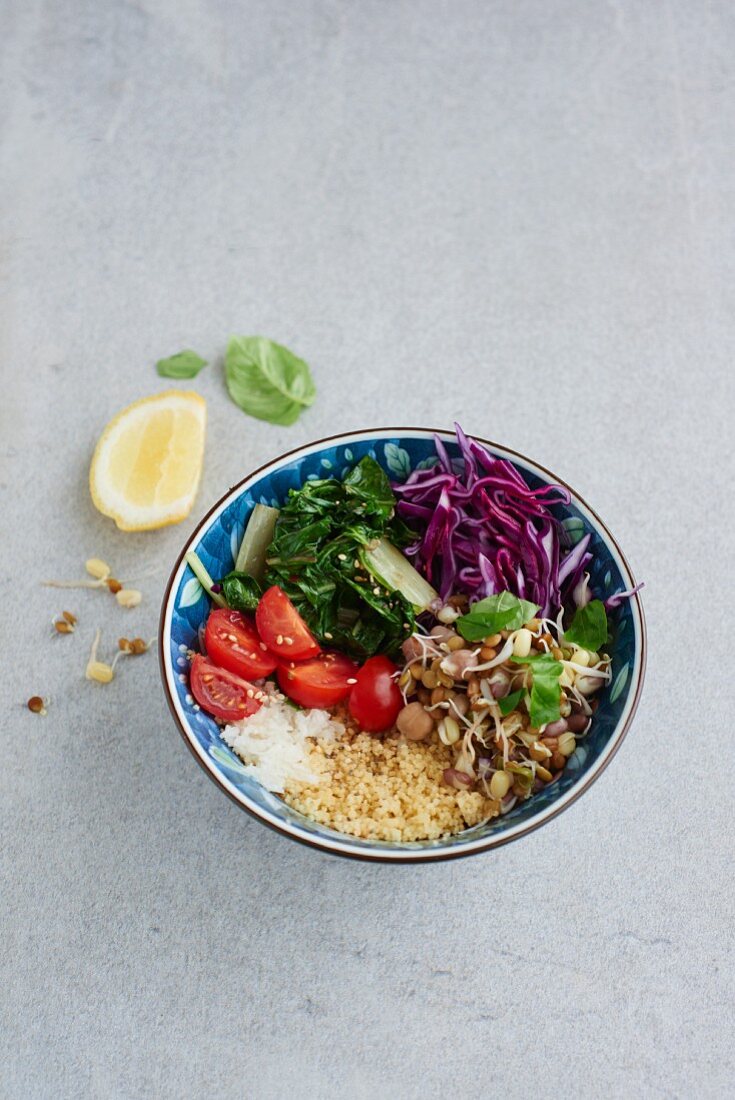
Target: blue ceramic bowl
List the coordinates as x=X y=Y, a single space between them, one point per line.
x=399 y=451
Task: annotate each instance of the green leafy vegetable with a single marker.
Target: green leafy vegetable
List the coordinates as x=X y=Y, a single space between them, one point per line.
x=545 y=690
x=317 y=557
x=256 y=540
x=368 y=486
x=267 y=380
x=502 y=612
x=510 y=702
x=185 y=364
x=241 y=591
x=589 y=626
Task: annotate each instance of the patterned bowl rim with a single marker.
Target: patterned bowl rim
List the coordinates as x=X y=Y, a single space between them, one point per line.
x=386 y=855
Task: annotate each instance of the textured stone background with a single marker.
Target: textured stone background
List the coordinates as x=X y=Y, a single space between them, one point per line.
x=517 y=213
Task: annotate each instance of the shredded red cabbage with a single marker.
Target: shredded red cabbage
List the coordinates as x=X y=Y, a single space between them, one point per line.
x=484 y=530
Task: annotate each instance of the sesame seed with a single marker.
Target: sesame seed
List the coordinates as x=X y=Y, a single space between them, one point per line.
x=376 y=591
x=287 y=640
x=263 y=646
x=279 y=639
x=351 y=680
x=251 y=692
x=341 y=557
x=328 y=636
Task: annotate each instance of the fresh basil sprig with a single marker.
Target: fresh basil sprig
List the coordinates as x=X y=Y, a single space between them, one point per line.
x=545 y=691
x=589 y=626
x=502 y=612
x=185 y=364
x=267 y=380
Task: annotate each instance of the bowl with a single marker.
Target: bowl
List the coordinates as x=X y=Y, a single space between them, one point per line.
x=399 y=450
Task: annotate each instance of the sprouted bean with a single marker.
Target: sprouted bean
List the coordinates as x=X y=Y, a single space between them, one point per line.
x=460 y=687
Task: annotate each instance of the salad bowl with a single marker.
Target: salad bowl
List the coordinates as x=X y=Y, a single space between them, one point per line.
x=399 y=451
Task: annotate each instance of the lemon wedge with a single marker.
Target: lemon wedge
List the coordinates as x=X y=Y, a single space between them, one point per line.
x=148 y=461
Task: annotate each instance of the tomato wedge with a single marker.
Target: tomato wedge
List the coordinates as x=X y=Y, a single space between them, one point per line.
x=233 y=643
x=376 y=698
x=220 y=692
x=282 y=628
x=322 y=681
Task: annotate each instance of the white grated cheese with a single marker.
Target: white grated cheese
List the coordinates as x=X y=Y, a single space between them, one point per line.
x=273 y=742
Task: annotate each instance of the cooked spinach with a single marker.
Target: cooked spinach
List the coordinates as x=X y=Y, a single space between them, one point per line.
x=317 y=556
x=241 y=591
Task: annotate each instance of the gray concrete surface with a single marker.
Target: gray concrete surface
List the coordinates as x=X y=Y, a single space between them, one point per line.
x=515 y=213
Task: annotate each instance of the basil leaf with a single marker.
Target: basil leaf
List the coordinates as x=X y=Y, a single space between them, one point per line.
x=545 y=691
x=267 y=380
x=510 y=702
x=501 y=612
x=185 y=364
x=589 y=626
x=241 y=591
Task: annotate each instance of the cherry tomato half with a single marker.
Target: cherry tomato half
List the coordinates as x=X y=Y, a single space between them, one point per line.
x=220 y=692
x=376 y=698
x=322 y=681
x=233 y=643
x=282 y=628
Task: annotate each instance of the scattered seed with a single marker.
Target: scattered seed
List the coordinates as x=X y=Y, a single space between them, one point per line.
x=139 y=645
x=113 y=585
x=36 y=704
x=99 y=671
x=124 y=645
x=63 y=627
x=97 y=568
x=128 y=597
x=70 y=618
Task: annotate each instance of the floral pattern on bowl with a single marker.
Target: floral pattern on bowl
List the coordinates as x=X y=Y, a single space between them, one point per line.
x=399 y=451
